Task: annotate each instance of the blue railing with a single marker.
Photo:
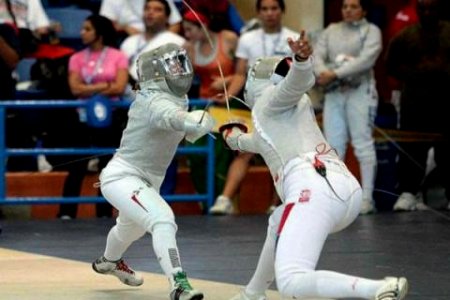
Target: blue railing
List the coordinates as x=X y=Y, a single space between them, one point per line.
x=207 y=150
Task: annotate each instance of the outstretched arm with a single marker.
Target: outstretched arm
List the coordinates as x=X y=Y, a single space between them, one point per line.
x=301 y=48
x=299 y=79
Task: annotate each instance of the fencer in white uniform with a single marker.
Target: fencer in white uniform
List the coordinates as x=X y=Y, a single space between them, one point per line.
x=157 y=121
x=319 y=194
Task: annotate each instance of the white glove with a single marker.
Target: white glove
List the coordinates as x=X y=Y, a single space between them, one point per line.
x=231 y=136
x=196 y=129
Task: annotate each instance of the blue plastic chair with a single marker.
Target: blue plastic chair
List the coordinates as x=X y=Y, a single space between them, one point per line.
x=23 y=69
x=71 y=20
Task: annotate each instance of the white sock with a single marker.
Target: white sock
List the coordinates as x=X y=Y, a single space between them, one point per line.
x=265 y=270
x=166 y=249
x=119 y=240
x=328 y=284
x=368 y=174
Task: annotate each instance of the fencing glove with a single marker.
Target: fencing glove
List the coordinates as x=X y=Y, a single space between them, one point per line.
x=196 y=124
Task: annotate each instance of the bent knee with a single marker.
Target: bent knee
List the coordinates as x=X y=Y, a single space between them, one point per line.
x=167 y=218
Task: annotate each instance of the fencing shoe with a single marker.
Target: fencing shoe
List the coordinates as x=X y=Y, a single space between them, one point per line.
x=223 y=206
x=183 y=290
x=119 y=269
x=243 y=295
x=393 y=289
x=406 y=202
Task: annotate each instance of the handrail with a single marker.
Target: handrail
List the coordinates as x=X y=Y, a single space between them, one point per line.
x=208 y=150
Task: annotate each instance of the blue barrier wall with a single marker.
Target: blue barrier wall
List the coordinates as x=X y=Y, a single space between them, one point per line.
x=207 y=150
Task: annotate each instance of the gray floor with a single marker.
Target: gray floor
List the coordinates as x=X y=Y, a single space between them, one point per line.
x=226 y=249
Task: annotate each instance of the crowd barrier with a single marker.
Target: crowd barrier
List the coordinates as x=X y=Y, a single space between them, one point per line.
x=208 y=151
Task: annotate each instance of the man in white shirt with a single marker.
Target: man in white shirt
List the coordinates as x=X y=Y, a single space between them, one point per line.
x=156 y=16
x=26 y=14
x=127 y=15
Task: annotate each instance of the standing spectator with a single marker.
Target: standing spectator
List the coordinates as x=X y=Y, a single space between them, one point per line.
x=31 y=20
x=405 y=17
x=99 y=69
x=127 y=16
x=264 y=41
x=208 y=51
x=419 y=58
x=345 y=54
x=158 y=121
x=319 y=194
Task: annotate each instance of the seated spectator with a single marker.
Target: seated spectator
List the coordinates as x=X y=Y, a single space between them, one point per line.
x=210 y=51
x=155 y=18
x=9 y=58
x=127 y=16
x=263 y=41
x=221 y=13
x=99 y=69
x=30 y=18
x=22 y=23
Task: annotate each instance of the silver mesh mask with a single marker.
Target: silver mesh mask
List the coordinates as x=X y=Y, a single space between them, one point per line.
x=167 y=66
x=264 y=72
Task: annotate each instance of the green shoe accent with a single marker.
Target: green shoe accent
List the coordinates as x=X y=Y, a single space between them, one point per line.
x=181 y=281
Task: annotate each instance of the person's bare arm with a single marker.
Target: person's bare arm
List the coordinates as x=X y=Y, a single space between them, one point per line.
x=80 y=89
x=117 y=87
x=237 y=81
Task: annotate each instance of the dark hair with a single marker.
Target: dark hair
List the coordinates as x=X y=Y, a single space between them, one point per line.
x=280 y=3
x=104 y=28
x=365 y=5
x=163 y=2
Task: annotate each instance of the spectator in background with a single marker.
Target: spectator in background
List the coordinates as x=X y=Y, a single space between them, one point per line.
x=25 y=14
x=221 y=13
x=419 y=58
x=99 y=69
x=28 y=22
x=345 y=54
x=31 y=20
x=155 y=18
x=268 y=40
x=9 y=58
x=127 y=16
x=208 y=51
x=406 y=16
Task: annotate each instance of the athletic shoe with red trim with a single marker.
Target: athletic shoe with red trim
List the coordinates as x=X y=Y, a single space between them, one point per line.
x=119 y=269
